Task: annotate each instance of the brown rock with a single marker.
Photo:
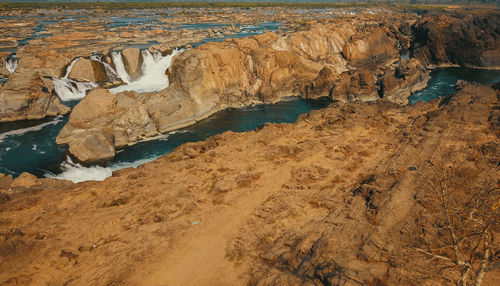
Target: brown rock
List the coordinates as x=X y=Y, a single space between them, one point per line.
x=132 y=60
x=93 y=114
x=27 y=95
x=5 y=181
x=88 y=70
x=25 y=180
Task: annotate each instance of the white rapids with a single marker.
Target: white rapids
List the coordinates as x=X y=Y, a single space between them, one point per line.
x=152 y=79
x=68 y=89
x=11 y=63
x=153 y=70
x=77 y=173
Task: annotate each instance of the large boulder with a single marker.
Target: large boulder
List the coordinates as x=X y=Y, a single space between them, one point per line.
x=88 y=133
x=132 y=60
x=88 y=70
x=371 y=49
x=405 y=79
x=28 y=95
x=465 y=39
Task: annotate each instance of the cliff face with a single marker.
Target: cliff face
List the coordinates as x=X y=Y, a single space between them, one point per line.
x=339 y=196
x=463 y=38
x=345 y=60
x=28 y=95
x=341 y=60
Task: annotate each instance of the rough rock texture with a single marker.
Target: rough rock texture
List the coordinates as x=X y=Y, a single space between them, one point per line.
x=94 y=115
x=28 y=95
x=263 y=68
x=462 y=38
x=329 y=200
x=355 y=60
x=407 y=78
x=132 y=60
x=50 y=56
x=88 y=70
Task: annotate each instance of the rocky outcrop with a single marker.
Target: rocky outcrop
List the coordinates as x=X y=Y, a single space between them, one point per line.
x=88 y=70
x=132 y=60
x=28 y=95
x=94 y=115
x=405 y=79
x=337 y=198
x=459 y=38
x=263 y=68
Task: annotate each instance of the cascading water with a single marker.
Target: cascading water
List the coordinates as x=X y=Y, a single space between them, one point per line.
x=120 y=67
x=11 y=63
x=110 y=72
x=153 y=70
x=68 y=89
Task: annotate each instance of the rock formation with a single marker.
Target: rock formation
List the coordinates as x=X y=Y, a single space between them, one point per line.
x=263 y=68
x=132 y=61
x=359 y=60
x=336 y=198
x=28 y=95
x=88 y=70
x=459 y=38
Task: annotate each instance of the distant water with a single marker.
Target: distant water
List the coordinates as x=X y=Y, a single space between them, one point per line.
x=29 y=146
x=443 y=80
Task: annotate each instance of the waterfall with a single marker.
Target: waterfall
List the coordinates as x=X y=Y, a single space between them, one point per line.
x=153 y=76
x=153 y=70
x=110 y=72
x=120 y=67
x=68 y=69
x=68 y=89
x=11 y=63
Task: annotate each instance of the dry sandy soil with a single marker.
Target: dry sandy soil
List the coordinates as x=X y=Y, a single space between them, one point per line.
x=332 y=199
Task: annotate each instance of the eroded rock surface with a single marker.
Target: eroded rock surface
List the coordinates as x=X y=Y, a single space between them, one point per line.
x=459 y=38
x=328 y=200
x=350 y=60
x=263 y=68
x=28 y=95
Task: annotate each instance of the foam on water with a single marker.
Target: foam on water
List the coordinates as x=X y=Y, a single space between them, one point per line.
x=78 y=173
x=117 y=59
x=11 y=63
x=153 y=69
x=68 y=89
x=22 y=131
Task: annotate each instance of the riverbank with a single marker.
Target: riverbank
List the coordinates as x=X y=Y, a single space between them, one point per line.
x=332 y=197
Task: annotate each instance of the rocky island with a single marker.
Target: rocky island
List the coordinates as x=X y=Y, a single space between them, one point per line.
x=370 y=190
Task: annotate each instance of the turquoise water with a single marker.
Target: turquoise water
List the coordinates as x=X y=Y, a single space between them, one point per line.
x=443 y=80
x=29 y=146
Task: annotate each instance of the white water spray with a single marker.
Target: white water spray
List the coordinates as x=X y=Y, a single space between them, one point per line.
x=153 y=70
x=120 y=67
x=68 y=89
x=78 y=173
x=110 y=72
x=11 y=63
